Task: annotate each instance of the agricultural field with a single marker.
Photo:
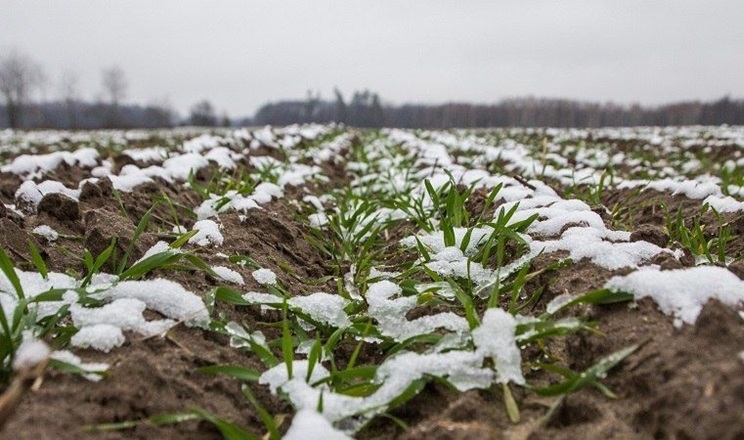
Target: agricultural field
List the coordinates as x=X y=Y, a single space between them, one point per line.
x=324 y=282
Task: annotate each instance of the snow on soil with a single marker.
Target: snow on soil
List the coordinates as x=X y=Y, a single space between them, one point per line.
x=308 y=424
x=561 y=224
x=29 y=354
x=208 y=234
x=264 y=277
x=682 y=293
x=47 y=232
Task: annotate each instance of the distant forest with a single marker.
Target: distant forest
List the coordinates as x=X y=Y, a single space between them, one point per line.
x=80 y=115
x=22 y=78
x=366 y=109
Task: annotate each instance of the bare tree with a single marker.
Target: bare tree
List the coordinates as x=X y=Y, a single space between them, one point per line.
x=69 y=92
x=202 y=114
x=19 y=76
x=114 y=83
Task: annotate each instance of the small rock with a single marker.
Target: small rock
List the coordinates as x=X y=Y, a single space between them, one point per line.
x=59 y=206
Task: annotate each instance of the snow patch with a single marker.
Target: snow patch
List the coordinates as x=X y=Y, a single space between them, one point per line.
x=682 y=293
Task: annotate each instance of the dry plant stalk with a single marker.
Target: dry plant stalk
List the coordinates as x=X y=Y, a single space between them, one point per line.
x=28 y=378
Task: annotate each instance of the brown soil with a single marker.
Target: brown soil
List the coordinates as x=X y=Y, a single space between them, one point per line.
x=683 y=383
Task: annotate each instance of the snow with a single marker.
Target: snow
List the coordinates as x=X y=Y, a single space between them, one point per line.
x=264 y=277
x=724 y=204
x=563 y=225
x=31 y=166
x=102 y=337
x=323 y=307
x=559 y=302
x=29 y=194
x=158 y=248
x=95 y=370
x=494 y=338
x=229 y=275
x=317 y=220
x=201 y=143
x=125 y=313
x=390 y=309
x=101 y=327
x=180 y=167
x=308 y=424
x=592 y=243
x=29 y=354
x=682 y=293
x=127 y=183
x=209 y=234
x=165 y=297
x=452 y=262
x=47 y=232
x=262 y=298
x=152 y=154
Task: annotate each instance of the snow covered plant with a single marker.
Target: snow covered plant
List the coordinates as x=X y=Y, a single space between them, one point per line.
x=93 y=310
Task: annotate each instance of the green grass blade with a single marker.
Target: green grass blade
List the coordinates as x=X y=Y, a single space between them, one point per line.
x=266 y=418
x=141 y=268
x=228 y=430
x=99 y=262
x=230 y=296
x=137 y=232
x=9 y=270
x=234 y=371
x=313 y=357
x=183 y=239
x=287 y=343
x=37 y=259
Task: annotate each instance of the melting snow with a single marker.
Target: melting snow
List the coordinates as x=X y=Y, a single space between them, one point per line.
x=102 y=337
x=229 y=275
x=94 y=370
x=264 y=277
x=682 y=293
x=323 y=307
x=29 y=354
x=47 y=232
x=308 y=424
x=209 y=234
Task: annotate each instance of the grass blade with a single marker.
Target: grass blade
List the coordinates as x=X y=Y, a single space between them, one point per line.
x=234 y=371
x=266 y=418
x=9 y=270
x=37 y=259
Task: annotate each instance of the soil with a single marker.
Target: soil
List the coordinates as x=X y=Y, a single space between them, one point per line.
x=685 y=383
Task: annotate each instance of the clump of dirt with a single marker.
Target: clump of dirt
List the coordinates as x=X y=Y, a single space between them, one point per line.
x=59 y=206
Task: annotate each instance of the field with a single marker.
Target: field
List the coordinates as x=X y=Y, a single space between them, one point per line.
x=326 y=282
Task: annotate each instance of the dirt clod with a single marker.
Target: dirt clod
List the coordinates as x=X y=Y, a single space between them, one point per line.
x=59 y=206
x=651 y=234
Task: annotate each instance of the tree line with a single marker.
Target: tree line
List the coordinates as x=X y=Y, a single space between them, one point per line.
x=24 y=84
x=365 y=109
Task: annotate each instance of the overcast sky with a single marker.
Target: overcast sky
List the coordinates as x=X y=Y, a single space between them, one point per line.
x=240 y=54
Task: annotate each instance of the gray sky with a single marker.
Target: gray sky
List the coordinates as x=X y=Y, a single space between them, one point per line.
x=242 y=53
